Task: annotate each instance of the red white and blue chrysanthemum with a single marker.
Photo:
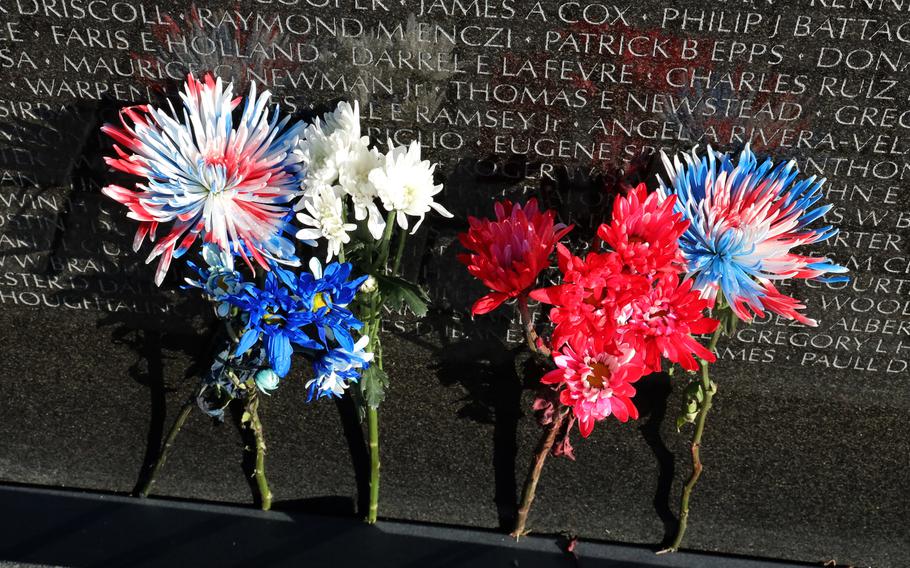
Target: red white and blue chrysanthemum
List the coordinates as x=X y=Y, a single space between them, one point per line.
x=745 y=219
x=208 y=177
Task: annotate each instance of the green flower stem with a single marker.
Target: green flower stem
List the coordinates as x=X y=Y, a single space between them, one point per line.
x=372 y=325
x=168 y=443
x=377 y=342
x=373 y=412
x=709 y=390
x=543 y=450
x=548 y=437
x=402 y=239
x=373 y=422
x=385 y=242
x=344 y=220
x=252 y=407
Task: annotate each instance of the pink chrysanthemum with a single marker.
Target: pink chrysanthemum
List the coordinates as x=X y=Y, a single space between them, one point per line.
x=509 y=253
x=644 y=231
x=209 y=178
x=597 y=381
x=661 y=322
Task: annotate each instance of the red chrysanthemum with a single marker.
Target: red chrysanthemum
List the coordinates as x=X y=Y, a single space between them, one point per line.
x=597 y=377
x=645 y=232
x=584 y=304
x=509 y=253
x=634 y=290
x=662 y=321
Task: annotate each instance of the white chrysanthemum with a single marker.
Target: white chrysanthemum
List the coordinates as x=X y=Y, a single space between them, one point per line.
x=323 y=217
x=329 y=142
x=404 y=183
x=345 y=120
x=321 y=153
x=354 y=178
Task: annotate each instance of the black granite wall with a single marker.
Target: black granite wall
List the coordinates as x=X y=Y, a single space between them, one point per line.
x=806 y=451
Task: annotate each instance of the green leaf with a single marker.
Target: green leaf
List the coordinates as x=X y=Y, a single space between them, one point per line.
x=373 y=385
x=398 y=292
x=245 y=418
x=694 y=398
x=694 y=392
x=686 y=418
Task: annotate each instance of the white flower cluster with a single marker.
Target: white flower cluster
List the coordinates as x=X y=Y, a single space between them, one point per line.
x=341 y=164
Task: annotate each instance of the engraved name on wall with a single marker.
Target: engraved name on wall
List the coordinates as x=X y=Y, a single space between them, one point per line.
x=509 y=90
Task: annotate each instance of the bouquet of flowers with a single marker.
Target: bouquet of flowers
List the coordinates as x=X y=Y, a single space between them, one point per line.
x=234 y=183
x=685 y=261
x=616 y=313
x=385 y=192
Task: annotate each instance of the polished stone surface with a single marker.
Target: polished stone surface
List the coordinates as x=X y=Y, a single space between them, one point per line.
x=806 y=451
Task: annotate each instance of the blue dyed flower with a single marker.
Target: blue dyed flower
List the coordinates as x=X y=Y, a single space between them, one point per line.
x=218 y=279
x=306 y=311
x=332 y=292
x=745 y=219
x=275 y=315
x=338 y=368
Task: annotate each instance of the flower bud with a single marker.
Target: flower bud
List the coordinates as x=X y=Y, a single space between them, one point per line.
x=369 y=285
x=267 y=380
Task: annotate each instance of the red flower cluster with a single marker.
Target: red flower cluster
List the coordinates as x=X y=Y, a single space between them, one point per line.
x=509 y=253
x=618 y=312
